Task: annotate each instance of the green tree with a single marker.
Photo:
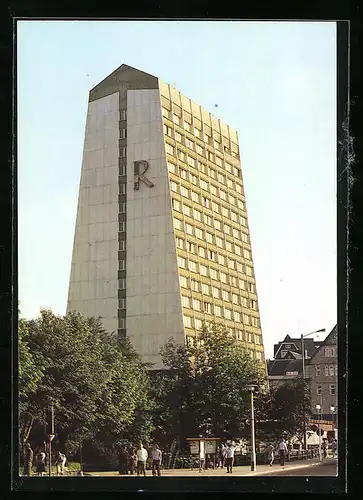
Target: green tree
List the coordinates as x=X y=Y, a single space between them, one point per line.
x=204 y=391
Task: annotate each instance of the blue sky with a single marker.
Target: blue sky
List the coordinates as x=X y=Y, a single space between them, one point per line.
x=272 y=81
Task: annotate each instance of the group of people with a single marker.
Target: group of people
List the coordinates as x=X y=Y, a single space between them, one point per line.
x=281 y=449
x=41 y=461
x=132 y=459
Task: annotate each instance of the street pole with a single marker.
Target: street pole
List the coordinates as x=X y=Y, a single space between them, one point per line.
x=319 y=408
x=253 y=444
x=51 y=437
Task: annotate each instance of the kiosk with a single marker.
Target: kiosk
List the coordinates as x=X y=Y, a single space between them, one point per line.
x=201 y=447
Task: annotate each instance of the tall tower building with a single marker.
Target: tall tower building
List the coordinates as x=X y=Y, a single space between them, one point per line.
x=161 y=240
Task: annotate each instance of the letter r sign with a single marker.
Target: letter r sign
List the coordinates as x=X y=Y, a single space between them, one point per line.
x=140 y=167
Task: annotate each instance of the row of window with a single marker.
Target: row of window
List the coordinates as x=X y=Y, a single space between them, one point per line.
x=204 y=132
x=201 y=165
x=191 y=341
x=203 y=270
x=216 y=292
x=206 y=202
x=208 y=236
x=222 y=312
x=332 y=390
x=329 y=370
x=190 y=322
x=210 y=254
x=330 y=352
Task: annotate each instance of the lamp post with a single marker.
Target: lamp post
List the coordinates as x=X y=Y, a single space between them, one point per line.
x=251 y=389
x=319 y=408
x=332 y=410
x=51 y=437
x=303 y=373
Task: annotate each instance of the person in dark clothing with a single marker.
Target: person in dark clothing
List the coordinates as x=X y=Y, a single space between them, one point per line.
x=131 y=458
x=282 y=447
x=40 y=463
x=122 y=461
x=28 y=460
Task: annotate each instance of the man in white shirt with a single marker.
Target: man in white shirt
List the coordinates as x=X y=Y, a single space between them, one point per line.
x=282 y=447
x=230 y=458
x=141 y=456
x=156 y=460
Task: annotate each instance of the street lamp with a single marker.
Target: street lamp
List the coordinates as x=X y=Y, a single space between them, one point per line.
x=332 y=410
x=51 y=437
x=319 y=408
x=251 y=388
x=303 y=372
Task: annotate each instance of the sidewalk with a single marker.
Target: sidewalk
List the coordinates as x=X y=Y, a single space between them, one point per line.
x=237 y=471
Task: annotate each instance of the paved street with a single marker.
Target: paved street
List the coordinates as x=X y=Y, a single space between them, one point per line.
x=297 y=468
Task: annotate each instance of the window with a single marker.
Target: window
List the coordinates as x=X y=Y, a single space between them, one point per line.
x=122 y=323
x=178 y=136
x=319 y=390
x=223 y=278
x=317 y=371
x=197 y=215
x=181 y=155
x=123 y=152
x=122 y=284
x=215 y=207
x=122 y=170
x=207 y=306
x=190 y=247
x=241 y=284
x=329 y=352
x=213 y=273
x=122 y=245
x=193 y=266
x=233 y=281
x=244 y=237
x=186 y=210
x=191 y=161
x=231 y=264
x=219 y=161
x=194 y=284
x=228 y=167
x=176 y=119
x=225 y=211
x=326 y=370
x=222 y=260
x=180 y=243
x=230 y=183
x=209 y=237
x=122 y=208
x=229 y=246
x=175 y=204
x=243 y=222
x=213 y=190
x=205 y=201
x=178 y=224
x=171 y=167
x=254 y=321
x=185 y=301
x=201 y=252
x=236 y=234
x=234 y=216
x=169 y=149
x=236 y=171
x=219 y=242
x=199 y=149
x=222 y=194
x=221 y=179
x=197 y=132
x=246 y=320
x=167 y=130
x=183 y=281
x=208 y=220
x=184 y=191
x=237 y=316
x=196 y=304
x=251 y=287
x=205 y=289
x=182 y=262
x=198 y=324
x=165 y=112
x=212 y=255
x=331 y=371
x=187 y=320
x=227 y=228
x=239 y=190
x=188 y=229
x=122 y=303
x=210 y=156
x=173 y=186
x=332 y=389
x=225 y=295
x=232 y=201
x=228 y=313
x=189 y=144
x=239 y=334
x=253 y=304
x=217 y=311
x=215 y=292
x=195 y=196
x=202 y=167
x=217 y=224
x=212 y=173
x=248 y=271
x=240 y=203
x=193 y=179
x=183 y=173
x=122 y=227
x=187 y=126
x=235 y=298
x=199 y=233
x=203 y=270
x=123 y=133
x=237 y=250
x=203 y=185
x=239 y=267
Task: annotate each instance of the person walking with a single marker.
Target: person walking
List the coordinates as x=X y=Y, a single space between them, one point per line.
x=40 y=463
x=141 y=456
x=230 y=458
x=324 y=447
x=122 y=461
x=61 y=462
x=131 y=460
x=270 y=453
x=156 y=456
x=28 y=460
x=334 y=447
x=282 y=451
x=223 y=455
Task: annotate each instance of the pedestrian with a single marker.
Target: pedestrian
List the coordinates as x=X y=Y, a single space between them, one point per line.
x=324 y=447
x=40 y=463
x=61 y=462
x=223 y=455
x=131 y=459
x=28 y=459
x=334 y=447
x=282 y=451
x=270 y=452
x=122 y=461
x=230 y=458
x=156 y=456
x=141 y=456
